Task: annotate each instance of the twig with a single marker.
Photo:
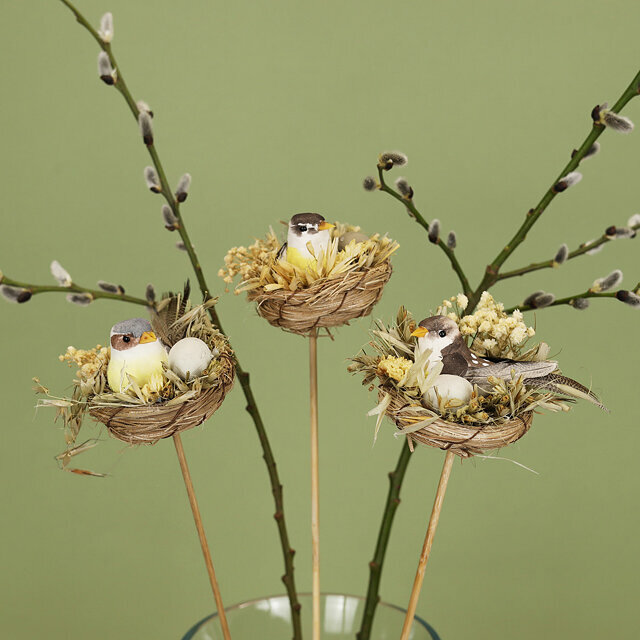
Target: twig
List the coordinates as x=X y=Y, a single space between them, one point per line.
x=569 y=299
x=426 y=547
x=35 y=289
x=203 y=538
x=546 y=264
x=492 y=271
x=396 y=478
x=450 y=253
x=315 y=482
x=243 y=376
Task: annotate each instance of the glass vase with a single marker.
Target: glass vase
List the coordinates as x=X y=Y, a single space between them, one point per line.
x=341 y=615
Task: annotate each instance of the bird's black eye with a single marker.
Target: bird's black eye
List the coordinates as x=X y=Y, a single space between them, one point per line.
x=302 y=227
x=126 y=339
x=442 y=333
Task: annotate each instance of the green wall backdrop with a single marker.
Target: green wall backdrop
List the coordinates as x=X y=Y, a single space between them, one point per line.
x=276 y=108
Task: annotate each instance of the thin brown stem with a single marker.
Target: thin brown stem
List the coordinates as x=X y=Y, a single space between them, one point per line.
x=428 y=542
x=201 y=535
x=315 y=481
x=409 y=204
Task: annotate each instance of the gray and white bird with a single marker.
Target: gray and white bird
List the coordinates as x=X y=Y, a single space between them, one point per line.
x=136 y=352
x=442 y=337
x=305 y=228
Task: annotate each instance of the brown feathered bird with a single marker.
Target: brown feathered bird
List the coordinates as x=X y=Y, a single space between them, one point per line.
x=442 y=337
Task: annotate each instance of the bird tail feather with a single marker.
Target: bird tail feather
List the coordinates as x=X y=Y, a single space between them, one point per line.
x=568 y=387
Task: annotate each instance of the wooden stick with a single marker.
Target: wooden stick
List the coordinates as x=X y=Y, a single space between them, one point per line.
x=203 y=539
x=315 y=482
x=428 y=541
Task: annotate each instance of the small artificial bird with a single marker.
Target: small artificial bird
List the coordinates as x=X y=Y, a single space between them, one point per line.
x=135 y=352
x=305 y=228
x=442 y=337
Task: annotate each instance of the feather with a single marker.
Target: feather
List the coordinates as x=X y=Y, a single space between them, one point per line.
x=568 y=387
x=172 y=307
x=282 y=253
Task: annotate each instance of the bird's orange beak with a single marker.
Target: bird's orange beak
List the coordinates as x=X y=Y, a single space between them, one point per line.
x=325 y=225
x=147 y=336
x=420 y=332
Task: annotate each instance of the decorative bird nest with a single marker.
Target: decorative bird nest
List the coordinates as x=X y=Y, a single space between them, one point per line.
x=345 y=284
x=487 y=421
x=144 y=415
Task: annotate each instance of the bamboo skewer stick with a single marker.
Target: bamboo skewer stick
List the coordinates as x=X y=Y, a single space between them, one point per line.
x=428 y=542
x=203 y=539
x=315 y=482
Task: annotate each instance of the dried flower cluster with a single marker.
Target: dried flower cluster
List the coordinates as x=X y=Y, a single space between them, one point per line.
x=259 y=267
x=494 y=332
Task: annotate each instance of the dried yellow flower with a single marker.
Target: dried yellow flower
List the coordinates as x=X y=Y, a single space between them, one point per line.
x=395 y=368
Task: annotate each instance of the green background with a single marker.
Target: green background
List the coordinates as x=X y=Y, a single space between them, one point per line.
x=276 y=108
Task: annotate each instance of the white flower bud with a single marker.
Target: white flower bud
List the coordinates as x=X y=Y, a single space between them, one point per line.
x=182 y=190
x=15 y=294
x=60 y=274
x=561 y=255
x=389 y=159
x=608 y=282
x=105 y=70
x=580 y=303
x=152 y=180
x=452 y=240
x=146 y=128
x=81 y=299
x=106 y=28
x=434 y=231
x=370 y=183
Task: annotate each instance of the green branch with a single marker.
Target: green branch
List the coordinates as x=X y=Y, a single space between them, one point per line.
x=583 y=249
x=450 y=253
x=243 y=376
x=35 y=289
x=396 y=478
x=491 y=275
x=569 y=300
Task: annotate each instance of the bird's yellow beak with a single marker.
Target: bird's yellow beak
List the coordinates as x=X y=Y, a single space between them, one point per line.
x=325 y=225
x=420 y=332
x=147 y=336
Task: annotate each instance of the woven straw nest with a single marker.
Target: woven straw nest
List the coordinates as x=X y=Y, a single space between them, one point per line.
x=464 y=440
x=155 y=411
x=344 y=285
x=487 y=422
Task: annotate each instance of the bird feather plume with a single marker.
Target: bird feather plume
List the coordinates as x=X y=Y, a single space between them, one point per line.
x=169 y=310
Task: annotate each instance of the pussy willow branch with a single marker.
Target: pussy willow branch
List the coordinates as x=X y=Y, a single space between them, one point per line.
x=450 y=253
x=546 y=264
x=491 y=275
x=490 y=278
x=243 y=376
x=34 y=289
x=569 y=299
x=396 y=477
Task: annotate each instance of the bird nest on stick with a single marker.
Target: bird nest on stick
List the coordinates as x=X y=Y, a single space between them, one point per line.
x=487 y=421
x=345 y=283
x=160 y=409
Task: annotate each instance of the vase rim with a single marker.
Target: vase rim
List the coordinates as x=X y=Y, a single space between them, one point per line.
x=247 y=603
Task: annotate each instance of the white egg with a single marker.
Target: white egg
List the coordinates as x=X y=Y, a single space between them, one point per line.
x=189 y=356
x=449 y=388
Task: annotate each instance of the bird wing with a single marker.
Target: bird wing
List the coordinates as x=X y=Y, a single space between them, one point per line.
x=282 y=252
x=455 y=364
x=504 y=368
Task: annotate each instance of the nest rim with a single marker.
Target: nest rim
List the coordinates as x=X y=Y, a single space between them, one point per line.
x=464 y=441
x=327 y=303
